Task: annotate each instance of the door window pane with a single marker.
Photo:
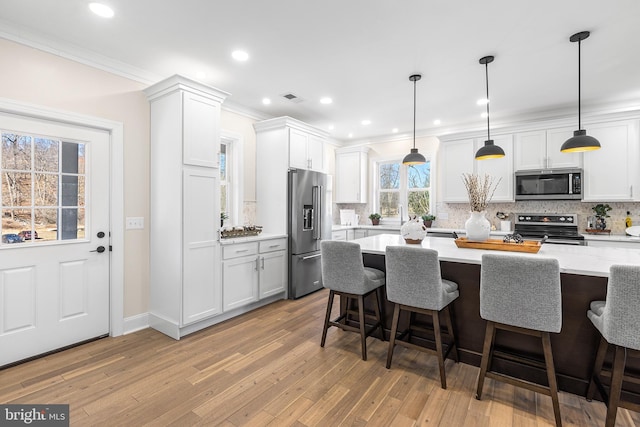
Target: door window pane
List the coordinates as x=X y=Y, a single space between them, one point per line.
x=45 y=178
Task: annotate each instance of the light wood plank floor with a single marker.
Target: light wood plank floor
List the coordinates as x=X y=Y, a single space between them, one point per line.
x=267 y=368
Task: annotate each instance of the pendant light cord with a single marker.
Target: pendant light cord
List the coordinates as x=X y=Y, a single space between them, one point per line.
x=414 y=113
x=486 y=73
x=579 y=73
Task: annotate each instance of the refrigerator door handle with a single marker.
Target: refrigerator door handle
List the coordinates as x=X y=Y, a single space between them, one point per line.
x=315 y=200
x=304 y=258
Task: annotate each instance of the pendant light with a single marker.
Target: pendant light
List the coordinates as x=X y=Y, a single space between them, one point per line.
x=414 y=158
x=580 y=140
x=489 y=150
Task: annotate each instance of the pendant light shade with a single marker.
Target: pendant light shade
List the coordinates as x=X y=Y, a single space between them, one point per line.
x=414 y=158
x=580 y=140
x=489 y=150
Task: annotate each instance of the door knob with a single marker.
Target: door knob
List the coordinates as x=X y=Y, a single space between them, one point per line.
x=99 y=249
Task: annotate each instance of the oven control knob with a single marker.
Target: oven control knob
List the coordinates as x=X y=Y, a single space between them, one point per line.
x=521 y=218
x=570 y=219
x=561 y=218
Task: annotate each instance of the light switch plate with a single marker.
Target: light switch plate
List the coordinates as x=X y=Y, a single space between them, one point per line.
x=135 y=223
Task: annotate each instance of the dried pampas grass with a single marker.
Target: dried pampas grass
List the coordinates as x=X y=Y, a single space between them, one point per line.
x=480 y=190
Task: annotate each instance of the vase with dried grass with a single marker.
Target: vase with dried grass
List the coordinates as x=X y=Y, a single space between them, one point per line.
x=480 y=191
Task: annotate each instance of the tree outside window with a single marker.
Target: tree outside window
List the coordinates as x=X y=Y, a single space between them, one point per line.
x=399 y=185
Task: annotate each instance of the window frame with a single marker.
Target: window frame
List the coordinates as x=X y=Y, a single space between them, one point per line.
x=404 y=189
x=234 y=177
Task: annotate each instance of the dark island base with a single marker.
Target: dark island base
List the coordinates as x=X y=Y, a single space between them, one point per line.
x=574 y=348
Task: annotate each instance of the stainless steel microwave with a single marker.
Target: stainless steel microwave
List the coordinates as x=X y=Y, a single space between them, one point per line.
x=549 y=184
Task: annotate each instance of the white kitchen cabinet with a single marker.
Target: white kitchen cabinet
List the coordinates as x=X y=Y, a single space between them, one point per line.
x=280 y=143
x=359 y=233
x=252 y=271
x=350 y=234
x=351 y=175
x=306 y=151
x=458 y=157
x=339 y=235
x=185 y=283
x=611 y=173
x=272 y=269
x=540 y=149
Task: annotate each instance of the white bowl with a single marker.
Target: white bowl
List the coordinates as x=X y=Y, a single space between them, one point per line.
x=633 y=231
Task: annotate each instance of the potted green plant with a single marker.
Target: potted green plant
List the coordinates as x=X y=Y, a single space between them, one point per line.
x=427 y=220
x=375 y=218
x=223 y=216
x=601 y=215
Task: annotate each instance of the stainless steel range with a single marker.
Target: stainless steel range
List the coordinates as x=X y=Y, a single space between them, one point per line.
x=559 y=228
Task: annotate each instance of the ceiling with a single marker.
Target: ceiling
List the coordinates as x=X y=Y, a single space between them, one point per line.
x=360 y=53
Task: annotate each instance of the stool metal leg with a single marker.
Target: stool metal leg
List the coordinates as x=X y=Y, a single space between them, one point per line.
x=619 y=361
x=551 y=375
x=394 y=331
x=363 y=326
x=327 y=317
x=487 y=349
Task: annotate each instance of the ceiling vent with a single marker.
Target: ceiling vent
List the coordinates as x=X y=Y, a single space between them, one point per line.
x=293 y=98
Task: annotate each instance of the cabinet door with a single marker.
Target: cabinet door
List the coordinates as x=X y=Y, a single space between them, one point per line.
x=315 y=153
x=240 y=282
x=530 y=150
x=273 y=273
x=359 y=233
x=501 y=170
x=610 y=174
x=349 y=178
x=201 y=290
x=200 y=131
x=458 y=158
x=298 y=149
x=555 y=157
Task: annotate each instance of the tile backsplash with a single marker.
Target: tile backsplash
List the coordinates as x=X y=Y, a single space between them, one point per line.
x=458 y=213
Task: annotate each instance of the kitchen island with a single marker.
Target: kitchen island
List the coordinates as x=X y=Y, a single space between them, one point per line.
x=584 y=271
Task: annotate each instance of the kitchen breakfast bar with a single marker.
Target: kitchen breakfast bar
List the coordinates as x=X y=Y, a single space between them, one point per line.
x=584 y=274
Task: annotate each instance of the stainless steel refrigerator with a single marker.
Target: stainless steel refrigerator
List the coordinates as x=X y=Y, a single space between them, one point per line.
x=309 y=199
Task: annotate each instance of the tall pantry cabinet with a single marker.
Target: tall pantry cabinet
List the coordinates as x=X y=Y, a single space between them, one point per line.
x=186 y=287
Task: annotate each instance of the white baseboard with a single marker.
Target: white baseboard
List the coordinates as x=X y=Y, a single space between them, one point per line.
x=136 y=323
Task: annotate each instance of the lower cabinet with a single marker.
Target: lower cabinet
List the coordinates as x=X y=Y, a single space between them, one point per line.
x=252 y=271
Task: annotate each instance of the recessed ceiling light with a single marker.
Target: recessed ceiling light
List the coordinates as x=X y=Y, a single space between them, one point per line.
x=101 y=10
x=350 y=135
x=331 y=127
x=484 y=115
x=482 y=101
x=437 y=122
x=366 y=122
x=240 y=55
x=266 y=101
x=326 y=100
x=201 y=75
x=394 y=130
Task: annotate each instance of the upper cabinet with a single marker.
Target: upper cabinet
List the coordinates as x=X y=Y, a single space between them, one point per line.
x=351 y=175
x=458 y=157
x=306 y=151
x=611 y=173
x=540 y=149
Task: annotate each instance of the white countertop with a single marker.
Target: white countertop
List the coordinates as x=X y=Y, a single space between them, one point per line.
x=583 y=260
x=612 y=237
x=259 y=237
x=460 y=231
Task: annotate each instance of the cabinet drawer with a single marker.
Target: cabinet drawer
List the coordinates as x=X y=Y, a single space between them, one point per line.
x=240 y=249
x=273 y=245
x=339 y=235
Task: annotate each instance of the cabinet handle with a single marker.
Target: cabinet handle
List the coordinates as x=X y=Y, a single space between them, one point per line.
x=262 y=262
x=631 y=191
x=239 y=251
x=257 y=260
x=273 y=246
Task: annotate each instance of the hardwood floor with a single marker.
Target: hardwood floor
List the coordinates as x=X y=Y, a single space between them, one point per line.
x=267 y=368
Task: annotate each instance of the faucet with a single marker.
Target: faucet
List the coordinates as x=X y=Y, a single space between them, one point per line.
x=401 y=218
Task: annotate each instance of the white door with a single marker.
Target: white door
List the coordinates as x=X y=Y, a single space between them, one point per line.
x=54 y=254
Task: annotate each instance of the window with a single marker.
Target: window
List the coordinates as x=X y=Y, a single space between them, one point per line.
x=43 y=188
x=398 y=186
x=231 y=178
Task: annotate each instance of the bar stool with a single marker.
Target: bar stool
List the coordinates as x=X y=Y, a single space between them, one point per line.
x=414 y=284
x=521 y=294
x=618 y=321
x=344 y=274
